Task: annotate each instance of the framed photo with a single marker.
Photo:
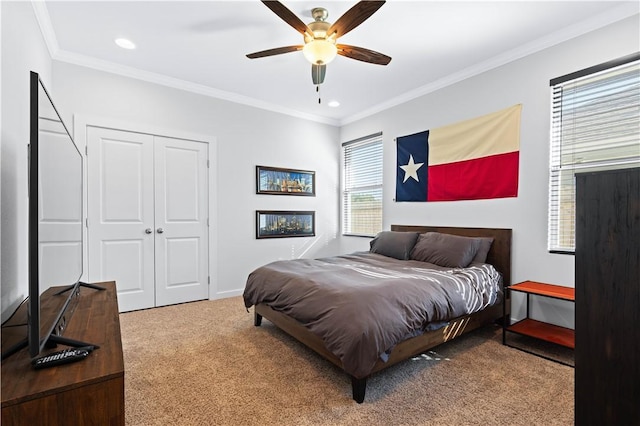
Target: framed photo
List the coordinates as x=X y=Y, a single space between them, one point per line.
x=277 y=181
x=278 y=224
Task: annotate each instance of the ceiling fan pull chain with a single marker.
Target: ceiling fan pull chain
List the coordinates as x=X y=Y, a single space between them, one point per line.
x=318 y=92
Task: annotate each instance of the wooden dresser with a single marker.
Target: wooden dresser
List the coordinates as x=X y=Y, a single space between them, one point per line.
x=87 y=392
x=607 y=332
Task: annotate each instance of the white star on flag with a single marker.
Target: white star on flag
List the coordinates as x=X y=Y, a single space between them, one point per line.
x=411 y=169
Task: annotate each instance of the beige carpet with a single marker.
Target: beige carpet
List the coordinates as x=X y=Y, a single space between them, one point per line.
x=204 y=363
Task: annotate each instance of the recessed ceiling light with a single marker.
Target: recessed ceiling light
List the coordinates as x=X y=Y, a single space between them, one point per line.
x=125 y=44
x=334 y=104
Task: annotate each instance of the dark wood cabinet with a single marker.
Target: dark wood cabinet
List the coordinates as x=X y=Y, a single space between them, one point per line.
x=607 y=305
x=88 y=392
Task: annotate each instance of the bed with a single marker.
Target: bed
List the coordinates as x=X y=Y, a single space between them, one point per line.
x=438 y=302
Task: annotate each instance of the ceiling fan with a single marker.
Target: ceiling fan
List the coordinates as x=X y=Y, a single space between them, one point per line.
x=320 y=37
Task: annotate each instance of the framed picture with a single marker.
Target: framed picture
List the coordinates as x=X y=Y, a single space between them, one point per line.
x=274 y=180
x=278 y=224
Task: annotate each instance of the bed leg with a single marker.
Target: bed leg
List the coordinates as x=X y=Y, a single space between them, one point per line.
x=257 y=318
x=358 y=387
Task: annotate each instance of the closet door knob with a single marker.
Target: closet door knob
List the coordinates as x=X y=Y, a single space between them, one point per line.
x=148 y=231
x=160 y=230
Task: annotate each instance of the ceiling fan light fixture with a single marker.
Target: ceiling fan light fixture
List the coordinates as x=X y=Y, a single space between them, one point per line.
x=321 y=37
x=320 y=51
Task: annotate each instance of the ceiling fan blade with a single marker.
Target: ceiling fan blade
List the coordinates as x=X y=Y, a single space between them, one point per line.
x=362 y=54
x=317 y=73
x=354 y=17
x=287 y=16
x=276 y=51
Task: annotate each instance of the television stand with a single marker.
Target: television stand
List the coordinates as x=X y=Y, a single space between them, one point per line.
x=79 y=393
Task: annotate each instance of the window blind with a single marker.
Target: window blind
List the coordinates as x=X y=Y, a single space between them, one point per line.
x=362 y=186
x=595 y=125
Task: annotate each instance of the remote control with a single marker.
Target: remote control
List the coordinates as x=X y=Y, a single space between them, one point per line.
x=62 y=357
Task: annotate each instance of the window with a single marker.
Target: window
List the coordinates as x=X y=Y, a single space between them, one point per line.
x=362 y=188
x=595 y=125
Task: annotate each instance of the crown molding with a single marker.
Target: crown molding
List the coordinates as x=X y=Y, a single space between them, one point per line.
x=614 y=15
x=57 y=54
x=44 y=22
x=163 y=80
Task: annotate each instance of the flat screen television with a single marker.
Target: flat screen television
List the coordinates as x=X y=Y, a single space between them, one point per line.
x=55 y=225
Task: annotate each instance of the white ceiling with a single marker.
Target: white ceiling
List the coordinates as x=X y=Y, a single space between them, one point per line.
x=201 y=46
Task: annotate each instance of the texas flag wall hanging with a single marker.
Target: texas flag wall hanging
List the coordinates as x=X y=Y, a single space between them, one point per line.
x=470 y=160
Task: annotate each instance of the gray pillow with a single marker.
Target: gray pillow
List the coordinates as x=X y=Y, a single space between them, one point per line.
x=447 y=250
x=394 y=244
x=483 y=249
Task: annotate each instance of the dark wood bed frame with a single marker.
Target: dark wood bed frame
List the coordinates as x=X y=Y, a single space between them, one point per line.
x=499 y=256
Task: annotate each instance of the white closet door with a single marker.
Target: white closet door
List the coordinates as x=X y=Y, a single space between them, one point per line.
x=181 y=221
x=121 y=214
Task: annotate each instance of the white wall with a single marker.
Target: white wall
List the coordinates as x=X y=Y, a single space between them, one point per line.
x=245 y=137
x=526 y=82
x=23 y=50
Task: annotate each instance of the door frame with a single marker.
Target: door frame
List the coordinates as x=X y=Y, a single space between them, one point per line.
x=80 y=124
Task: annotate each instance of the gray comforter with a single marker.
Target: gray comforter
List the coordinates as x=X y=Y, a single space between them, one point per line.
x=363 y=304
